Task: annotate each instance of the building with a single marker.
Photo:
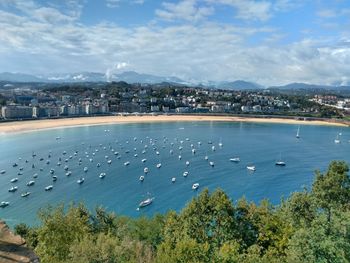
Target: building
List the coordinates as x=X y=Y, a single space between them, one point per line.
x=16 y=112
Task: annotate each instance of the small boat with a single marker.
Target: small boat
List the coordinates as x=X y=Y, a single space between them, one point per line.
x=4 y=204
x=126 y=163
x=280 y=163
x=195 y=186
x=180 y=157
x=14 y=180
x=86 y=169
x=187 y=163
x=2 y=171
x=49 y=188
x=25 y=194
x=211 y=164
x=142 y=178
x=69 y=173
x=159 y=165
x=206 y=158
x=102 y=175
x=145 y=170
x=35 y=175
x=109 y=161
x=251 y=168
x=135 y=155
x=58 y=164
x=235 y=160
x=81 y=180
x=66 y=167
x=146 y=202
x=143 y=160
x=185 y=174
x=13 y=189
x=20 y=173
x=30 y=183
x=193 y=151
x=173 y=180
x=52 y=171
x=298 y=133
x=210 y=142
x=54 y=178
x=14 y=165
x=337 y=140
x=213 y=148
x=98 y=165
x=21 y=169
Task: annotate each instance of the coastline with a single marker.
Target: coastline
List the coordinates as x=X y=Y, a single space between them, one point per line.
x=35 y=125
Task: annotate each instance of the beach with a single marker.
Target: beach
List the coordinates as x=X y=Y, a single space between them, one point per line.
x=34 y=125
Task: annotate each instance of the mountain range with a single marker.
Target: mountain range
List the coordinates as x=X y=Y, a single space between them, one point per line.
x=134 y=77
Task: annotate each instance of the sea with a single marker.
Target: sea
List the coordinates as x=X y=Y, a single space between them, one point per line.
x=121 y=191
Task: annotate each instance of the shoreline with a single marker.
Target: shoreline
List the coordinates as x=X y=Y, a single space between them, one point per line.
x=36 y=125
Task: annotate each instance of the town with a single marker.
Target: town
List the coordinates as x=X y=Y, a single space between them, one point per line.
x=86 y=99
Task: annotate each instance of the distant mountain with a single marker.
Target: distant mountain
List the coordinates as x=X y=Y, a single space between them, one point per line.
x=233 y=85
x=128 y=76
x=304 y=86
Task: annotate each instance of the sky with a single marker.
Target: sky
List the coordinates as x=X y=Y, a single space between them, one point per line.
x=271 y=42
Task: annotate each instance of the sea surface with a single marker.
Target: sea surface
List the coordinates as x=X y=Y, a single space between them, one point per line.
x=121 y=190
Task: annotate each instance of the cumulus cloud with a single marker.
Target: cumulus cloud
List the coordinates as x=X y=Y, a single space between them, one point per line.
x=118 y=67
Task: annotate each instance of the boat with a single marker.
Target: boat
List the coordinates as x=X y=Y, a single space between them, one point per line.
x=145 y=170
x=251 y=168
x=81 y=180
x=49 y=188
x=213 y=148
x=211 y=164
x=193 y=151
x=298 y=133
x=68 y=173
x=14 y=165
x=143 y=160
x=2 y=171
x=195 y=186
x=14 y=180
x=157 y=152
x=35 y=175
x=52 y=171
x=187 y=163
x=102 y=175
x=146 y=202
x=173 y=180
x=280 y=162
x=25 y=194
x=13 y=189
x=98 y=165
x=4 y=204
x=54 y=178
x=206 y=158
x=86 y=169
x=30 y=183
x=337 y=140
x=180 y=157
x=235 y=160
x=126 y=163
x=159 y=165
x=109 y=161
x=135 y=155
x=142 y=178
x=66 y=167
x=185 y=174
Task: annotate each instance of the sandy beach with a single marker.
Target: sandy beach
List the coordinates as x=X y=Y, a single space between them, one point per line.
x=33 y=125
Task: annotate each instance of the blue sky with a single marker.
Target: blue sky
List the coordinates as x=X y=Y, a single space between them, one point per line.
x=271 y=42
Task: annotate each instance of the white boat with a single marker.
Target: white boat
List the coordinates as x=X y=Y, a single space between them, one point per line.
x=142 y=178
x=193 y=151
x=337 y=140
x=4 y=204
x=159 y=165
x=280 y=163
x=145 y=170
x=211 y=164
x=213 y=148
x=69 y=173
x=86 y=169
x=185 y=174
x=195 y=186
x=235 y=160
x=143 y=160
x=135 y=155
x=126 y=163
x=25 y=194
x=157 y=152
x=30 y=183
x=66 y=167
x=35 y=175
x=81 y=180
x=102 y=175
x=180 y=157
x=58 y=164
x=2 y=171
x=298 y=133
x=98 y=165
x=54 y=178
x=13 y=189
x=206 y=158
x=49 y=188
x=52 y=171
x=14 y=180
x=173 y=180
x=251 y=168
x=146 y=202
x=187 y=163
x=109 y=161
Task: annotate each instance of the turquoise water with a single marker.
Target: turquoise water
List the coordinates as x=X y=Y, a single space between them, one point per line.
x=121 y=191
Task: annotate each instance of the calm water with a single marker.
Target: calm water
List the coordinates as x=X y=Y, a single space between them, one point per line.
x=121 y=191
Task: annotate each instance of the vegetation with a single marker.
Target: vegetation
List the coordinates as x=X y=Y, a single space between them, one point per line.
x=310 y=226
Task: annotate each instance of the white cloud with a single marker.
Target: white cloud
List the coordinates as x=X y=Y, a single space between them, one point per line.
x=112 y=3
x=187 y=10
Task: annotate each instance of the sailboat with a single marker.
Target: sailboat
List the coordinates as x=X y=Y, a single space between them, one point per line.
x=337 y=140
x=280 y=162
x=298 y=133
